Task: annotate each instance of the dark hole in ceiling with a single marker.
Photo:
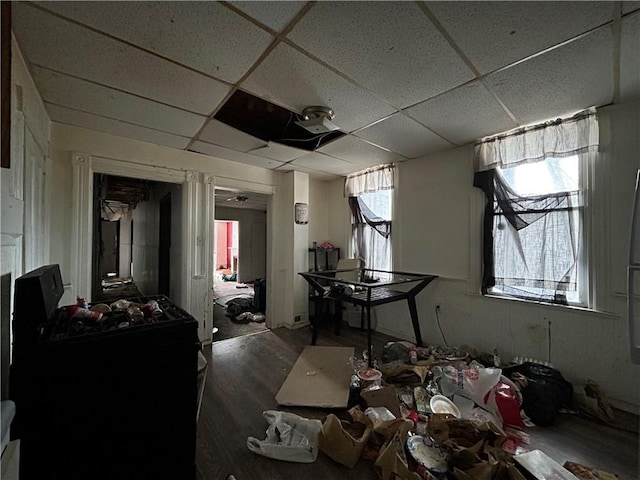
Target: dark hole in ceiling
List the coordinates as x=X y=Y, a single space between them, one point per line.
x=129 y=191
x=270 y=122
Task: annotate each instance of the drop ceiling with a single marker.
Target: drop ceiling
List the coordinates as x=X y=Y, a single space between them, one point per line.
x=405 y=79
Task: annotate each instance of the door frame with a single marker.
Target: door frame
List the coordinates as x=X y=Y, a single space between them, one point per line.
x=164 y=245
x=198 y=212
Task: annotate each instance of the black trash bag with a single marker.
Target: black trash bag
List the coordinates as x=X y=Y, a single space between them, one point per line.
x=260 y=295
x=395 y=351
x=237 y=306
x=545 y=394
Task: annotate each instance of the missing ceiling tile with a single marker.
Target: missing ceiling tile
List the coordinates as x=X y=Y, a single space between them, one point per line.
x=270 y=122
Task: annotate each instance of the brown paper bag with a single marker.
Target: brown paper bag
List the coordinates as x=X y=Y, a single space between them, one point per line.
x=383 y=397
x=476 y=452
x=343 y=442
x=405 y=374
x=389 y=428
x=391 y=464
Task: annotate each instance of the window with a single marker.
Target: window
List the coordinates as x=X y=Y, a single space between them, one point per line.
x=538 y=232
x=535 y=239
x=371 y=228
x=370 y=195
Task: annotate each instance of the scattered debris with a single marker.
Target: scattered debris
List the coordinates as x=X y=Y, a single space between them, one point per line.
x=441 y=412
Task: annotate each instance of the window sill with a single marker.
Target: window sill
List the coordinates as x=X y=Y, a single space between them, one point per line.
x=567 y=308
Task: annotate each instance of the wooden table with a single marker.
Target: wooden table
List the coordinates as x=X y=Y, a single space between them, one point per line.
x=373 y=288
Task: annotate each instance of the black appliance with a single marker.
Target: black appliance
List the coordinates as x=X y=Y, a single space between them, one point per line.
x=108 y=399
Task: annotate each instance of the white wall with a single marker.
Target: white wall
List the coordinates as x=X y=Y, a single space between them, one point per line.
x=145 y=245
x=300 y=248
x=437 y=229
x=339 y=217
x=252 y=251
x=61 y=214
x=146 y=217
x=124 y=257
x=318 y=211
x=290 y=247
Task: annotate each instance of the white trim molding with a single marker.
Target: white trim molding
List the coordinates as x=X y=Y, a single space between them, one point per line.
x=82 y=222
x=84 y=166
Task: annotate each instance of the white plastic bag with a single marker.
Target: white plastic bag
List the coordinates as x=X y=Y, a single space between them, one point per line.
x=379 y=414
x=289 y=437
x=473 y=382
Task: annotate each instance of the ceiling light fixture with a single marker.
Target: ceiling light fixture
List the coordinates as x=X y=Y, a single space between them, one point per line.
x=318 y=120
x=238 y=198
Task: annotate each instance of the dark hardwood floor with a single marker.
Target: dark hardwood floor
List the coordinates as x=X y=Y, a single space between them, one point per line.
x=245 y=373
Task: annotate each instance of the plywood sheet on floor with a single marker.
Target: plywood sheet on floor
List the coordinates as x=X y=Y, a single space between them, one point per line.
x=319 y=378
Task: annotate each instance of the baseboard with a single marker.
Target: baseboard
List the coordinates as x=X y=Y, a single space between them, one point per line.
x=624 y=406
x=297 y=325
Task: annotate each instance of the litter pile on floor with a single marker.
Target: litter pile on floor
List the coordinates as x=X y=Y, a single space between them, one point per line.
x=438 y=413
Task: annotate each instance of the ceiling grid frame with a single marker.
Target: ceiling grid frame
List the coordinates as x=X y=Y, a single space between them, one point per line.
x=268 y=24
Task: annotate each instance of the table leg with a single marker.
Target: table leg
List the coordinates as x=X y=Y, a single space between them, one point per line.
x=369 y=349
x=413 y=311
x=317 y=318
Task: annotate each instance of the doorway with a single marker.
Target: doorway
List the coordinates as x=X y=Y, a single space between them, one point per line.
x=226 y=249
x=133 y=237
x=240 y=251
x=110 y=245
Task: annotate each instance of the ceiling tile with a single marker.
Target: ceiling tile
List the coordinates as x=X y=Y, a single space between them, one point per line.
x=232 y=155
x=275 y=15
x=325 y=163
x=355 y=150
x=496 y=34
x=401 y=134
x=222 y=134
x=114 y=127
x=463 y=115
x=388 y=47
x=278 y=152
x=630 y=7
x=630 y=59
x=81 y=95
x=292 y=80
x=51 y=42
x=203 y=35
x=572 y=77
x=287 y=167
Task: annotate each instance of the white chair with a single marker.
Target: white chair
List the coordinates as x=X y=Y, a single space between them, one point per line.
x=348 y=264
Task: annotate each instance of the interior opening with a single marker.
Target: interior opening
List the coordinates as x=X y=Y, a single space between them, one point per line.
x=135 y=239
x=239 y=264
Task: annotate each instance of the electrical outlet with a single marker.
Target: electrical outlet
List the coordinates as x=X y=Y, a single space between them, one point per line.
x=297 y=318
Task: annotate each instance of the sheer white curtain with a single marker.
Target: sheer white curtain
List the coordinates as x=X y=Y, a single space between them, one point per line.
x=554 y=139
x=369 y=180
x=371 y=215
x=373 y=250
x=533 y=239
